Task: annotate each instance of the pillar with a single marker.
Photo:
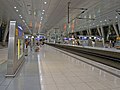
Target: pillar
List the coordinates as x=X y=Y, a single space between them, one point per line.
x=108 y=33
x=116 y=31
x=89 y=31
x=0 y=22
x=5 y=34
x=15 y=60
x=102 y=32
x=98 y=29
x=119 y=26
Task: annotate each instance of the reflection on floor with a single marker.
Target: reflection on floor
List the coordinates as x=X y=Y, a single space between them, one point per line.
x=3 y=65
x=62 y=72
x=3 y=55
x=50 y=69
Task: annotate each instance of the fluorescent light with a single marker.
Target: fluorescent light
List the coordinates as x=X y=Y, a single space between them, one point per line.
x=26 y=36
x=32 y=36
x=25 y=24
x=29 y=12
x=34 y=13
x=20 y=27
x=43 y=10
x=21 y=17
x=15 y=7
x=41 y=18
x=45 y=2
x=23 y=20
x=16 y=10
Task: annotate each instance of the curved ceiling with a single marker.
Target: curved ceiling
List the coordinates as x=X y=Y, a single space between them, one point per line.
x=41 y=15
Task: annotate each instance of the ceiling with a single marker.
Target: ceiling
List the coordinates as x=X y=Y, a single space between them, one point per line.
x=40 y=16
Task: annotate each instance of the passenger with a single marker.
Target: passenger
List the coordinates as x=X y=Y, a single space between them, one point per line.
x=113 y=43
x=106 y=45
x=93 y=42
x=77 y=42
x=110 y=42
x=37 y=49
x=43 y=43
x=26 y=43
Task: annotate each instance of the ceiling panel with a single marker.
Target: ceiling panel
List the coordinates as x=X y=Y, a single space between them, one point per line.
x=55 y=14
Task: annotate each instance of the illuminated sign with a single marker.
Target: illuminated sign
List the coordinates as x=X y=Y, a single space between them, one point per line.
x=20 y=27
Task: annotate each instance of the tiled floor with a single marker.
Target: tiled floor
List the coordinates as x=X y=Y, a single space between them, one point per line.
x=62 y=72
x=3 y=55
x=51 y=69
x=3 y=67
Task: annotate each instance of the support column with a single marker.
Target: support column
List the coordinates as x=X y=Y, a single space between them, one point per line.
x=50 y=37
x=55 y=36
x=89 y=31
x=108 y=32
x=0 y=22
x=0 y=30
x=5 y=34
x=116 y=31
x=82 y=32
x=102 y=31
x=11 y=49
x=15 y=51
x=119 y=26
x=99 y=31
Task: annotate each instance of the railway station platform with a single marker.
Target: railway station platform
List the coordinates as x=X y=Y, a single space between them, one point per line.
x=55 y=69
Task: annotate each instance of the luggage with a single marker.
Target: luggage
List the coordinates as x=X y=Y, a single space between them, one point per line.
x=37 y=49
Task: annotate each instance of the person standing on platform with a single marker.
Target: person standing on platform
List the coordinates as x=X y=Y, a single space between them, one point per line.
x=37 y=48
x=93 y=42
x=26 y=43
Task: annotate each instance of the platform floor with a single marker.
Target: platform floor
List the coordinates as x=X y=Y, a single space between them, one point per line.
x=51 y=69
